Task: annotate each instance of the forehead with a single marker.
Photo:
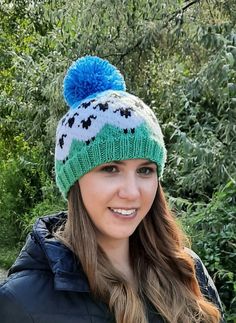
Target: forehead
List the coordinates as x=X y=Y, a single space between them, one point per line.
x=130 y=162
x=133 y=161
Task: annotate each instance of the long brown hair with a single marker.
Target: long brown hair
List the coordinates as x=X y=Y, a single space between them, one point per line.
x=163 y=269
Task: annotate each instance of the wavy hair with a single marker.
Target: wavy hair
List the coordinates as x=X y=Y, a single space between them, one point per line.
x=163 y=269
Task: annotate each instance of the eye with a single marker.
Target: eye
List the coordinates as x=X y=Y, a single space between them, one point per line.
x=146 y=171
x=109 y=169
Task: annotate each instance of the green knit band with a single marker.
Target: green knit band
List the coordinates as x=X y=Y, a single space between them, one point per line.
x=83 y=160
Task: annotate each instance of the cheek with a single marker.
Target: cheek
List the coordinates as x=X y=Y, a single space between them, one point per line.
x=95 y=192
x=86 y=190
x=151 y=191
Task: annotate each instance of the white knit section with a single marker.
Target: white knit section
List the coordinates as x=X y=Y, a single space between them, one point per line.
x=137 y=110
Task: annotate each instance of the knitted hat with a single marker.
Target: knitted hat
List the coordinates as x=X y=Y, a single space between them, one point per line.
x=104 y=123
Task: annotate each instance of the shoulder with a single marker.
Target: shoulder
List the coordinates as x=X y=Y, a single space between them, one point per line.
x=30 y=277
x=205 y=281
x=17 y=294
x=31 y=297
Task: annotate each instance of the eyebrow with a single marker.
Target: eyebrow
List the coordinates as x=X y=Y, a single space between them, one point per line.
x=149 y=162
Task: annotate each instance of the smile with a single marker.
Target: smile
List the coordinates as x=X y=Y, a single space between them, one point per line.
x=124 y=212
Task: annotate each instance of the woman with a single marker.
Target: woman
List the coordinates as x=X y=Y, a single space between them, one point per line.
x=118 y=255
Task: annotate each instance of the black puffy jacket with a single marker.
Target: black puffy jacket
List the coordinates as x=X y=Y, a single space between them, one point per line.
x=46 y=284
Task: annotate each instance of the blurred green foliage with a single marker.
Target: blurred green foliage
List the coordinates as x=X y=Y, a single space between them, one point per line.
x=211 y=226
x=179 y=56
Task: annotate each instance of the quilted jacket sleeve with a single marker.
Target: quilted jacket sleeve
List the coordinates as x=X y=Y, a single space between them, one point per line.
x=10 y=311
x=206 y=283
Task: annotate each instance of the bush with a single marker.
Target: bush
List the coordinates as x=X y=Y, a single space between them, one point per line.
x=212 y=230
x=8 y=255
x=47 y=206
x=19 y=186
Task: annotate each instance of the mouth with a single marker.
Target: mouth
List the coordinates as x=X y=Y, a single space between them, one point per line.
x=126 y=213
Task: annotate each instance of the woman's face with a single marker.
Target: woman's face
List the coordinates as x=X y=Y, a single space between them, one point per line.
x=118 y=195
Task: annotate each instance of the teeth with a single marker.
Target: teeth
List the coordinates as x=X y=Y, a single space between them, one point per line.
x=124 y=212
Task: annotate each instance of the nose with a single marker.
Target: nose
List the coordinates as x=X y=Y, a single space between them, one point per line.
x=129 y=187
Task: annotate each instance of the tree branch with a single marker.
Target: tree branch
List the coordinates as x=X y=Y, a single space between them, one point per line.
x=139 y=41
x=174 y=14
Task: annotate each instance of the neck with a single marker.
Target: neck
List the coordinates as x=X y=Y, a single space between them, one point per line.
x=118 y=253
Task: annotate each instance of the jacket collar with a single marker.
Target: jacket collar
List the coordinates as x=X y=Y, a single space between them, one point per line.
x=44 y=251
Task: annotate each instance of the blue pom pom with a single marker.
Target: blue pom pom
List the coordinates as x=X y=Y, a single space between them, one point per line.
x=90 y=75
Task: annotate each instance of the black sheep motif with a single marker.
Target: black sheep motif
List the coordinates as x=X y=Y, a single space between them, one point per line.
x=87 y=123
x=65 y=160
x=124 y=112
x=71 y=120
x=61 y=140
x=88 y=141
x=132 y=130
x=102 y=106
x=85 y=105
